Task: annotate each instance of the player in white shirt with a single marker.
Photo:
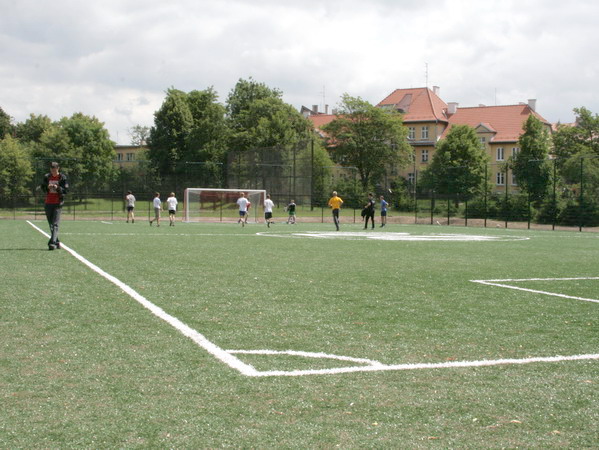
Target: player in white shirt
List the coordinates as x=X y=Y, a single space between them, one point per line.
x=130 y=200
x=157 y=208
x=171 y=202
x=268 y=206
x=243 y=203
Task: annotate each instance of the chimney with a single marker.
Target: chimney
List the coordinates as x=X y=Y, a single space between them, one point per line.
x=452 y=108
x=314 y=109
x=436 y=90
x=532 y=103
x=326 y=109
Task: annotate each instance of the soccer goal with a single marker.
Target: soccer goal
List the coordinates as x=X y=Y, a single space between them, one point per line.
x=208 y=204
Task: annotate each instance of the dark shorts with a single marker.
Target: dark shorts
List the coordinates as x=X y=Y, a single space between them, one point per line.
x=242 y=213
x=383 y=213
x=130 y=208
x=172 y=211
x=268 y=215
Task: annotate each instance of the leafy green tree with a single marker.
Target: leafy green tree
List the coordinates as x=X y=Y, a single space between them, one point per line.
x=15 y=168
x=189 y=127
x=458 y=165
x=6 y=126
x=368 y=138
x=258 y=117
x=531 y=166
x=209 y=136
x=33 y=128
x=569 y=140
x=82 y=146
x=172 y=124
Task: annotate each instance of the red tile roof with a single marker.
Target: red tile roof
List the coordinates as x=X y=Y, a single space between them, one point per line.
x=505 y=121
x=418 y=104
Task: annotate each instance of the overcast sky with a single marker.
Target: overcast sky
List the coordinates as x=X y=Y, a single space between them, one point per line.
x=114 y=59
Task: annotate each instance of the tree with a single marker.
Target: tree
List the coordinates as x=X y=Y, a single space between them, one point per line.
x=266 y=134
x=172 y=124
x=369 y=138
x=458 y=165
x=82 y=146
x=209 y=136
x=15 y=168
x=258 y=117
x=531 y=167
x=6 y=126
x=577 y=151
x=33 y=128
x=139 y=134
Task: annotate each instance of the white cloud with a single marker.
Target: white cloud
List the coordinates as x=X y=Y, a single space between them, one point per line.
x=114 y=59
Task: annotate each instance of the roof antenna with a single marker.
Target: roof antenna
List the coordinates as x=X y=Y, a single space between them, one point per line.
x=324 y=102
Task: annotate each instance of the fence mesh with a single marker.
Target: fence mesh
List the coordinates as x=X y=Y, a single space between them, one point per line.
x=569 y=200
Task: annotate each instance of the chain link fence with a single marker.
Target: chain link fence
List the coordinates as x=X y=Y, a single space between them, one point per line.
x=567 y=201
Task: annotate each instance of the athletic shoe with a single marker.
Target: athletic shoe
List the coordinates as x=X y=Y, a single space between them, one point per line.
x=51 y=247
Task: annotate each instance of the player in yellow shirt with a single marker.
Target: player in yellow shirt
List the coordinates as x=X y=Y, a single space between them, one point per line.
x=335 y=203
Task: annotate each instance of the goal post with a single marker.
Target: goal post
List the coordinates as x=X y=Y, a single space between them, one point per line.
x=220 y=205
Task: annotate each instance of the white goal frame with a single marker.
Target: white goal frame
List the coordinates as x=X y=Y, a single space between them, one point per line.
x=248 y=192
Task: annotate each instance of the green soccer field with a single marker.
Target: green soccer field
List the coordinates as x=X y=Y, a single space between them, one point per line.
x=213 y=335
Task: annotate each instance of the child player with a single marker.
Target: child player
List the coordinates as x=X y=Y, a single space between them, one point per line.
x=290 y=208
x=171 y=203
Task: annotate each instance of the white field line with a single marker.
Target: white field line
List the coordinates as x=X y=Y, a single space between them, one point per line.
x=199 y=339
x=443 y=365
x=501 y=283
x=226 y=356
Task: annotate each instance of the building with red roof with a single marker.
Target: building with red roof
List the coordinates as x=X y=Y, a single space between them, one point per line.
x=429 y=119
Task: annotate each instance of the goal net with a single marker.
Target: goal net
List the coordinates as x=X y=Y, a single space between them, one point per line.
x=220 y=205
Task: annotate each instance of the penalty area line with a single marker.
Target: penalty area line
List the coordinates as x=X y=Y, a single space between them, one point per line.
x=425 y=366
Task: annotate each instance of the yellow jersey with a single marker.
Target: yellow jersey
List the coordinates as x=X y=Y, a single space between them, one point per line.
x=335 y=202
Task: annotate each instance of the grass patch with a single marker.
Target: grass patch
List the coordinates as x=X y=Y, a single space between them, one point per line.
x=84 y=365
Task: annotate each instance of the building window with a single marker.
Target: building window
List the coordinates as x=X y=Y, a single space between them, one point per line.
x=119 y=156
x=500 y=178
x=499 y=153
x=411 y=133
x=514 y=181
x=483 y=141
x=424 y=155
x=130 y=156
x=411 y=178
x=424 y=134
x=515 y=151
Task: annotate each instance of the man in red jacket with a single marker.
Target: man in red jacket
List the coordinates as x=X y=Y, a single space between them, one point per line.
x=55 y=185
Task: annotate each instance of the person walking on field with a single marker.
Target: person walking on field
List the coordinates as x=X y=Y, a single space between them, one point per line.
x=55 y=185
x=130 y=201
x=157 y=208
x=335 y=203
x=171 y=203
x=243 y=203
x=268 y=206
x=384 y=206
x=291 y=212
x=369 y=211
